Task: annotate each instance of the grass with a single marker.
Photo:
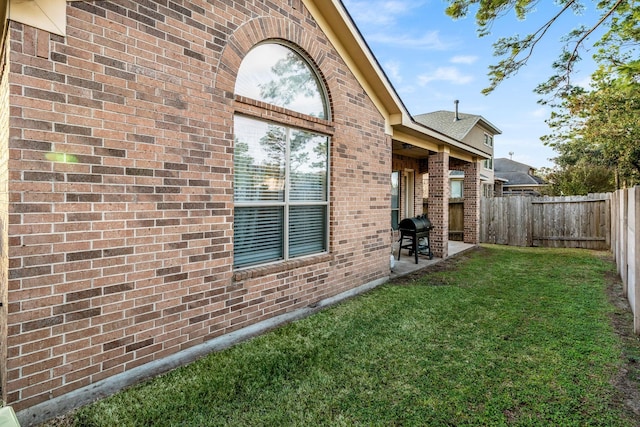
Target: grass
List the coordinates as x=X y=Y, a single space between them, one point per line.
x=509 y=337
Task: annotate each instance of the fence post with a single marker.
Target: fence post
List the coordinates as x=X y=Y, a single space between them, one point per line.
x=613 y=223
x=634 y=243
x=624 y=235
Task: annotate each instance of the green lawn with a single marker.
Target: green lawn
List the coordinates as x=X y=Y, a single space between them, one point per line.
x=510 y=336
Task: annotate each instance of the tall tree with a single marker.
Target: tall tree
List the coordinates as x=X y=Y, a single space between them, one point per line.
x=595 y=130
x=578 y=179
x=600 y=126
x=619 y=17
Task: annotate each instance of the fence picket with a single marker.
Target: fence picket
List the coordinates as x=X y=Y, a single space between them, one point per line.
x=579 y=221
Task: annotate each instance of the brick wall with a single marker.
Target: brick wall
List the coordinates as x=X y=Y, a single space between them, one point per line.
x=4 y=209
x=439 y=203
x=120 y=188
x=471 y=192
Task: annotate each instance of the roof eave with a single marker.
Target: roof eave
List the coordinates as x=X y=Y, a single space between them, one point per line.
x=489 y=125
x=410 y=125
x=337 y=24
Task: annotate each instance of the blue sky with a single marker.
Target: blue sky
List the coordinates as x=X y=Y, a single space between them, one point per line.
x=433 y=60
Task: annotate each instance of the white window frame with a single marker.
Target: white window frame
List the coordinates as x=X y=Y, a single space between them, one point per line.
x=287 y=204
x=488 y=140
x=488 y=163
x=396 y=208
x=409 y=193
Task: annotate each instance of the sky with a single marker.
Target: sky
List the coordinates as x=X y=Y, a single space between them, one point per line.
x=432 y=60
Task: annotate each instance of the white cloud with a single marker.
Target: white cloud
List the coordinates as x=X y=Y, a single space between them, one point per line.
x=464 y=59
x=447 y=74
x=392 y=69
x=539 y=112
x=430 y=40
x=381 y=12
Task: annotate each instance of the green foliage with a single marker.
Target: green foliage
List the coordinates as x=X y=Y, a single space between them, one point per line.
x=295 y=79
x=526 y=342
x=598 y=128
x=579 y=179
x=619 y=17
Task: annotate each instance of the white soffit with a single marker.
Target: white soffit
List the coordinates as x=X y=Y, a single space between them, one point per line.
x=48 y=15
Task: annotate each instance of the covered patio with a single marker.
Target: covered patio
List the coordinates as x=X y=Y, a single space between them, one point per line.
x=423 y=176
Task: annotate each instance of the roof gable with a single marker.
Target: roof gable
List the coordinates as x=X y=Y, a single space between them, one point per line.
x=337 y=24
x=445 y=122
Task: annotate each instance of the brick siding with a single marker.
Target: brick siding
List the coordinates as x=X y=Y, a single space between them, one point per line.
x=439 y=203
x=4 y=208
x=120 y=202
x=471 y=192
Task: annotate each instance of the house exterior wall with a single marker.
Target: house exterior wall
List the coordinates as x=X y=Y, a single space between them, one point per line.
x=475 y=139
x=439 y=203
x=4 y=207
x=120 y=177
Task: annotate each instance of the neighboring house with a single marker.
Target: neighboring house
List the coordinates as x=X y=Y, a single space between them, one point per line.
x=174 y=172
x=474 y=131
x=518 y=178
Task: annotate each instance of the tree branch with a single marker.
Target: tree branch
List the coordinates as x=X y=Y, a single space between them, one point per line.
x=584 y=36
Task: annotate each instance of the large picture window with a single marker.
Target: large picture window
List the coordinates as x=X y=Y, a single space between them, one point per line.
x=281 y=172
x=280 y=192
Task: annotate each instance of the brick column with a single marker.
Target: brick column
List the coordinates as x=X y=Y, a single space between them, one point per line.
x=439 y=203
x=471 y=192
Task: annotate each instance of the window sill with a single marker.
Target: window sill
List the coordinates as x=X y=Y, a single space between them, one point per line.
x=280 y=267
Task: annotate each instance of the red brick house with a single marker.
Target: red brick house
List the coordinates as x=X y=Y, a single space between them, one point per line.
x=177 y=172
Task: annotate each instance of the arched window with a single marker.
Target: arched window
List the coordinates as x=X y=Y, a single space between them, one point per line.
x=278 y=75
x=280 y=172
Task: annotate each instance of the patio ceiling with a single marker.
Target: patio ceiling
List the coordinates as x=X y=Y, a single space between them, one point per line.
x=409 y=150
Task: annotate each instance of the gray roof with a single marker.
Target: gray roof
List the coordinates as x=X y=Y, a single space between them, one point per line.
x=516 y=173
x=519 y=178
x=444 y=121
x=507 y=165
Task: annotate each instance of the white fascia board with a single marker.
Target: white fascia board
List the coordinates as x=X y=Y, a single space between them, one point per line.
x=48 y=15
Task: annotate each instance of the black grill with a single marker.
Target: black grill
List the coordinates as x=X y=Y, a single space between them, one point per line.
x=416 y=230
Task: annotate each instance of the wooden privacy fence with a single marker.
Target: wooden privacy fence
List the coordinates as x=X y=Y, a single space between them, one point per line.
x=570 y=222
x=625 y=245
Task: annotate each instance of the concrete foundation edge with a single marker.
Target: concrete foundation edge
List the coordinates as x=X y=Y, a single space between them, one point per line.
x=60 y=405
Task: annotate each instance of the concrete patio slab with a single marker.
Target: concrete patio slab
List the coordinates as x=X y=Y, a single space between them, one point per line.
x=406 y=264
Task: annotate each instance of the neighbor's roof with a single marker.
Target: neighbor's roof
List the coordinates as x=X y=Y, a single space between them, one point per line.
x=502 y=164
x=445 y=122
x=520 y=179
x=517 y=174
